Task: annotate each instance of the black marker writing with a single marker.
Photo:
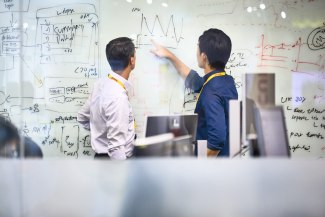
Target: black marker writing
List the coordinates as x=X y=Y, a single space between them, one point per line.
x=315 y=135
x=304 y=147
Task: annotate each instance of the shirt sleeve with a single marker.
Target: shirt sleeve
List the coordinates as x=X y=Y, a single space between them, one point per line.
x=83 y=115
x=194 y=81
x=117 y=114
x=216 y=122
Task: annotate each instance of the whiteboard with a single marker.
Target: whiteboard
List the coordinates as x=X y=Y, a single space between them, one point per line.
x=52 y=52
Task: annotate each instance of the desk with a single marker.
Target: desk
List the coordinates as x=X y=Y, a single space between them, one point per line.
x=162 y=187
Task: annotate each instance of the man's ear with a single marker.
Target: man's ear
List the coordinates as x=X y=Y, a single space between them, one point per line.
x=204 y=57
x=132 y=61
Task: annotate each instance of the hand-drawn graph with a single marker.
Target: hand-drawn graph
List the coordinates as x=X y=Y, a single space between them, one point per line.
x=170 y=33
x=68 y=34
x=289 y=55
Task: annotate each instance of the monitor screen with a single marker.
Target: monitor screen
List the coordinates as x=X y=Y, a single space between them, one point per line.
x=271 y=132
x=179 y=125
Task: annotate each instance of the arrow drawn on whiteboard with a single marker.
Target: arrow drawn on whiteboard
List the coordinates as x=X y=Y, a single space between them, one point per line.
x=23 y=97
x=12 y=22
x=3 y=98
x=7 y=99
x=39 y=81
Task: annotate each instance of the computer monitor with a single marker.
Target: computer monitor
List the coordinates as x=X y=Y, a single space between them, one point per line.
x=272 y=138
x=179 y=125
x=154 y=146
x=163 y=145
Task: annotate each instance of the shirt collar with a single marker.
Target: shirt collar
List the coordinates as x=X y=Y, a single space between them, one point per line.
x=126 y=83
x=206 y=76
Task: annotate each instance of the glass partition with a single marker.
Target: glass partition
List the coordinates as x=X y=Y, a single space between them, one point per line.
x=52 y=52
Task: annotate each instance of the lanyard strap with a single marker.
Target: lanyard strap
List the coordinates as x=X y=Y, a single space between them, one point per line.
x=211 y=76
x=117 y=81
x=122 y=85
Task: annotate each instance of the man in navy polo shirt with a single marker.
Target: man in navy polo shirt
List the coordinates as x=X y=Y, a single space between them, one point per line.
x=215 y=88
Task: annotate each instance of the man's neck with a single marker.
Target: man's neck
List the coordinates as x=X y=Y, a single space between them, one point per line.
x=208 y=69
x=124 y=74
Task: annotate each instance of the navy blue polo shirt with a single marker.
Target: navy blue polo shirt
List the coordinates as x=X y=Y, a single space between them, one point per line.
x=213 y=108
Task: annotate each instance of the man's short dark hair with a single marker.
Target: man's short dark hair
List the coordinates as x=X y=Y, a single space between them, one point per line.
x=8 y=132
x=31 y=149
x=217 y=46
x=118 y=53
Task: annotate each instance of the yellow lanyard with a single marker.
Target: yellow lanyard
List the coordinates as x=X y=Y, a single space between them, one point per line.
x=122 y=85
x=117 y=81
x=211 y=76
